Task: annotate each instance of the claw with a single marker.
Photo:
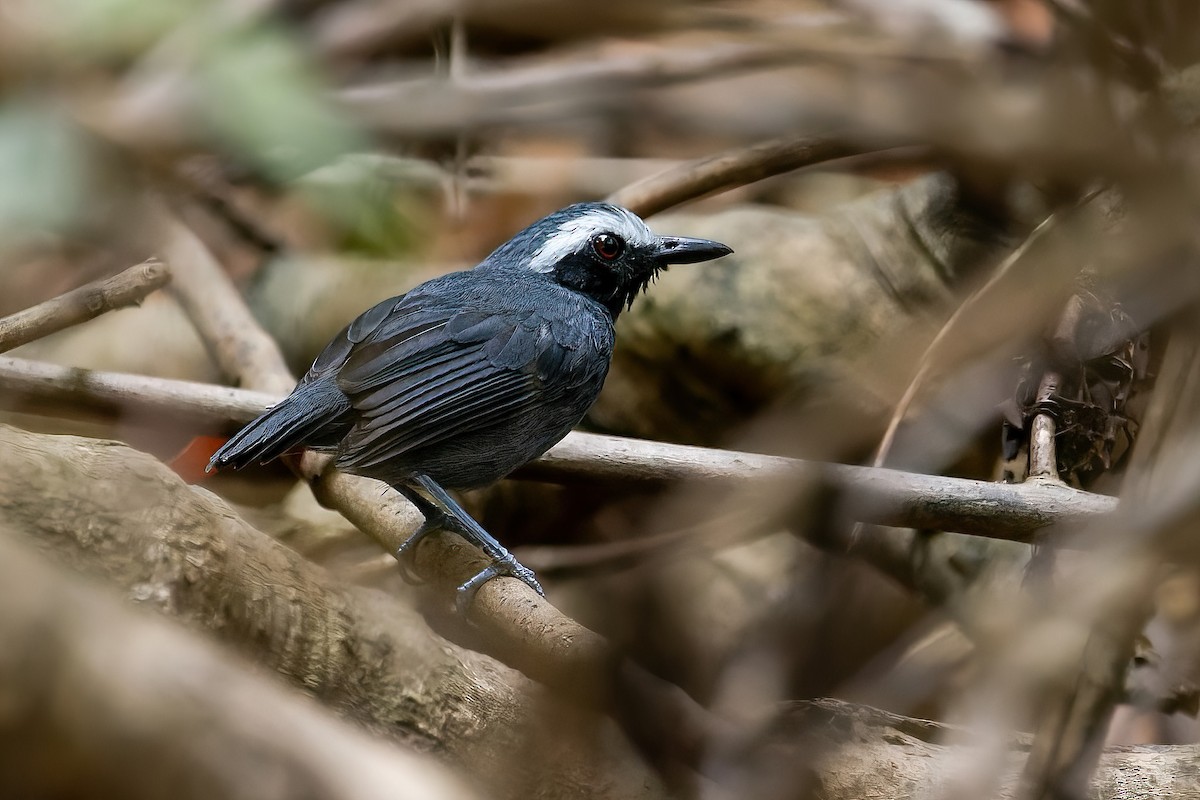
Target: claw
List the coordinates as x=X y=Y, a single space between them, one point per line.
x=405 y=553
x=526 y=576
x=465 y=595
x=510 y=568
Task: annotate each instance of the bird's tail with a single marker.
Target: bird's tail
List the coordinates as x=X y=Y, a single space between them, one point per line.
x=312 y=415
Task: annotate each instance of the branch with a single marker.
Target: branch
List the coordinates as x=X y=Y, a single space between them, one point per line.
x=126 y=288
x=184 y=551
x=732 y=168
x=242 y=350
x=883 y=496
x=107 y=701
x=110 y=511
x=125 y=394
x=558 y=88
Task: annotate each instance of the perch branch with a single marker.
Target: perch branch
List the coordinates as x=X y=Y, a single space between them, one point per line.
x=884 y=496
x=518 y=627
x=110 y=511
x=79 y=305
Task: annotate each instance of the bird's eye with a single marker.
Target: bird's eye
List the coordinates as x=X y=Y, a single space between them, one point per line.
x=608 y=246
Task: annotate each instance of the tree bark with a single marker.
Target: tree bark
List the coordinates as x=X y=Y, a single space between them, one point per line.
x=110 y=511
x=102 y=701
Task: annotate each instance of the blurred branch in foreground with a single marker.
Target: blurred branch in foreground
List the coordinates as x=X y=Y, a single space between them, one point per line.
x=1075 y=720
x=106 y=701
x=521 y=93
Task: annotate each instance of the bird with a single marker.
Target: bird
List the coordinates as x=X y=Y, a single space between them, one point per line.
x=468 y=376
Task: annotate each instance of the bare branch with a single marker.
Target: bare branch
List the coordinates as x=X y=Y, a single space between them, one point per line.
x=884 y=496
x=359 y=28
x=520 y=628
x=1043 y=458
x=133 y=395
x=126 y=288
x=242 y=350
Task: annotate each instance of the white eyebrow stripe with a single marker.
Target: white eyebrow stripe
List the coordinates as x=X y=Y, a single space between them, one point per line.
x=573 y=235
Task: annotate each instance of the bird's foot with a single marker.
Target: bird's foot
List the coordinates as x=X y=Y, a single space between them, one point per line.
x=505 y=566
x=443 y=512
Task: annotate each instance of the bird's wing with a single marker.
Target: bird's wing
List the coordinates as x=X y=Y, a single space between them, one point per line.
x=427 y=372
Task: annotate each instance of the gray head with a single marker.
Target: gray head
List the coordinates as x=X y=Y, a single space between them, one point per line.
x=601 y=250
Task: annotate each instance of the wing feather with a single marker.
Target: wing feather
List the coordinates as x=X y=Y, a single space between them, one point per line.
x=428 y=372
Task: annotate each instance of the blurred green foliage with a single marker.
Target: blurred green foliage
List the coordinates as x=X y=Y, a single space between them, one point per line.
x=237 y=84
x=265 y=100
x=43 y=169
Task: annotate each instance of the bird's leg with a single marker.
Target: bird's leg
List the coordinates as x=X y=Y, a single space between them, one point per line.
x=443 y=512
x=433 y=520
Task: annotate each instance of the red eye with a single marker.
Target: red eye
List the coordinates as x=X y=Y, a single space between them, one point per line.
x=607 y=246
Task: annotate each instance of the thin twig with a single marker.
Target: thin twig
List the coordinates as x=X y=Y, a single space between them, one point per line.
x=574 y=559
x=884 y=496
x=1064 y=344
x=933 y=355
x=126 y=288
